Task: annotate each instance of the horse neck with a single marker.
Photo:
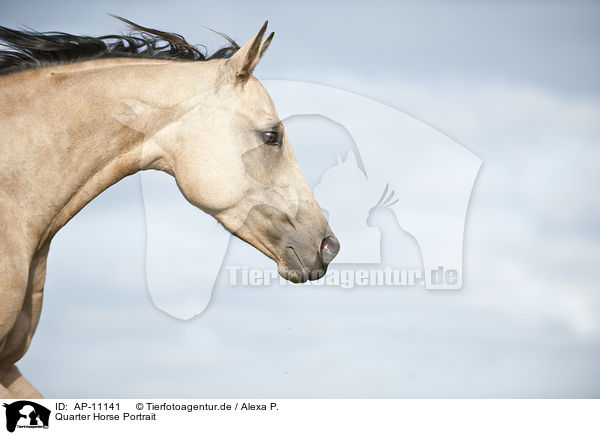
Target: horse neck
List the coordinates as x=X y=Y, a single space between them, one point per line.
x=71 y=140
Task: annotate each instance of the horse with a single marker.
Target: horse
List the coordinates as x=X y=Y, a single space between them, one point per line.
x=80 y=113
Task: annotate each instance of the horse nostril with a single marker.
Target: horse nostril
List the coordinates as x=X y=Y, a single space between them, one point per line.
x=329 y=249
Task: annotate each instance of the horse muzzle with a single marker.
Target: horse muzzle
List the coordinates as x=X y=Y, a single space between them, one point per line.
x=299 y=266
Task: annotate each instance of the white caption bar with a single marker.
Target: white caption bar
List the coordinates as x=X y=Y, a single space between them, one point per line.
x=293 y=416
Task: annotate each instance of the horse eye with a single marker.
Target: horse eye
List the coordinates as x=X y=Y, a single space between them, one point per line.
x=270 y=137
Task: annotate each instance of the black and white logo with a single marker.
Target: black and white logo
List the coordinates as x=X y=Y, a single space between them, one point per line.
x=25 y=414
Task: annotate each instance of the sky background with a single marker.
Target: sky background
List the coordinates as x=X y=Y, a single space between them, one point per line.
x=516 y=83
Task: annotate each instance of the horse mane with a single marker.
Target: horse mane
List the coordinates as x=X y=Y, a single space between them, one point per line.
x=30 y=50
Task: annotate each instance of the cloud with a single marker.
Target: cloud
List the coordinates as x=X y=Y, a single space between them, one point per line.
x=523 y=326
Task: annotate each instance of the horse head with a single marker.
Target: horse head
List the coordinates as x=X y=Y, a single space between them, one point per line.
x=231 y=157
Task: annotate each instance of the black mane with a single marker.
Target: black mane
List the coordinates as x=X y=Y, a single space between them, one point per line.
x=30 y=50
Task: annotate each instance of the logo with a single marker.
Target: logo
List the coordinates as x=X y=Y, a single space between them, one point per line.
x=396 y=192
x=24 y=414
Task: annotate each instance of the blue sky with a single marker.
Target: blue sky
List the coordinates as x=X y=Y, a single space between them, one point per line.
x=514 y=82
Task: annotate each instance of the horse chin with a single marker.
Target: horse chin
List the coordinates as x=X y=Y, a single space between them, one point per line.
x=293 y=269
x=299 y=276
x=294 y=275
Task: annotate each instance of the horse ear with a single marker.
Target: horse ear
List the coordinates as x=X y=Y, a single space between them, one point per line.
x=239 y=67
